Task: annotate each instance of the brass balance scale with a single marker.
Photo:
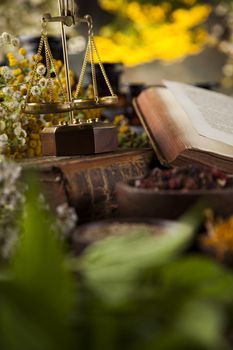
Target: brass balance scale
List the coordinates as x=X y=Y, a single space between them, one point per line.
x=74 y=137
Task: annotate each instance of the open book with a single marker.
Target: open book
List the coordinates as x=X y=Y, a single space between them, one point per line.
x=188 y=124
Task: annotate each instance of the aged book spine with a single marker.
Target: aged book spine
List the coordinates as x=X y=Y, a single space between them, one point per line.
x=88 y=182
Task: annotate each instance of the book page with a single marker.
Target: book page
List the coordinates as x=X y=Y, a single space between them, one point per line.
x=210 y=113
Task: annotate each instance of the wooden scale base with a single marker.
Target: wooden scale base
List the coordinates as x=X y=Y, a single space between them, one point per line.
x=87 y=138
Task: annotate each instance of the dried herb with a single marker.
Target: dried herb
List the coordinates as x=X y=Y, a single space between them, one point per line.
x=186 y=178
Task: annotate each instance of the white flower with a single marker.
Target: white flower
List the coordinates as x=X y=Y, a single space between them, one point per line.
x=3 y=137
x=2 y=112
x=15 y=42
x=23 y=133
x=3 y=140
x=13 y=116
x=22 y=140
x=11 y=199
x=221 y=10
x=7 y=91
x=4 y=69
x=43 y=82
x=6 y=38
x=13 y=105
x=6 y=73
x=17 y=96
x=66 y=218
x=36 y=90
x=23 y=87
x=41 y=69
x=2 y=125
x=18 y=130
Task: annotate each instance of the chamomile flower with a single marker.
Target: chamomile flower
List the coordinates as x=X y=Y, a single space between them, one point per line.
x=15 y=42
x=2 y=112
x=2 y=125
x=41 y=69
x=13 y=116
x=17 y=95
x=43 y=82
x=6 y=37
x=6 y=73
x=13 y=105
x=3 y=140
x=22 y=140
x=18 y=129
x=36 y=91
x=7 y=91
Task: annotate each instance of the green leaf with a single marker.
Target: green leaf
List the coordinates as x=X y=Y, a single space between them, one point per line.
x=112 y=265
x=201 y=276
x=36 y=303
x=202 y=322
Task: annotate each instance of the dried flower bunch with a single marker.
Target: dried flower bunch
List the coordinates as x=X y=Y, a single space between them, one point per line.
x=20 y=133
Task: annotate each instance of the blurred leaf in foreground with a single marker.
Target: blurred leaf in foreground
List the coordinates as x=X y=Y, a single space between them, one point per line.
x=115 y=262
x=37 y=298
x=136 y=292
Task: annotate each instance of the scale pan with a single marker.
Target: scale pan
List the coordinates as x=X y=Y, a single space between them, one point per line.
x=105 y=101
x=47 y=107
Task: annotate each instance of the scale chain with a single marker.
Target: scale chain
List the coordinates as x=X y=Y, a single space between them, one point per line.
x=54 y=68
x=48 y=65
x=95 y=89
x=34 y=69
x=82 y=72
x=89 y=52
x=102 y=67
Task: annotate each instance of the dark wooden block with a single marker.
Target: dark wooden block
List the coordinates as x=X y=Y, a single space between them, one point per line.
x=82 y=139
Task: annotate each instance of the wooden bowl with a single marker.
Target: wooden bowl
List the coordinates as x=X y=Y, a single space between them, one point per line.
x=88 y=234
x=169 y=204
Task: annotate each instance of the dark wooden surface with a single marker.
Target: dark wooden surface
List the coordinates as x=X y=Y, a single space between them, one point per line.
x=88 y=182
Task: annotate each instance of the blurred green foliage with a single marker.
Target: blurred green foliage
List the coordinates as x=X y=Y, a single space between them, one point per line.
x=36 y=291
x=133 y=292
x=137 y=293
